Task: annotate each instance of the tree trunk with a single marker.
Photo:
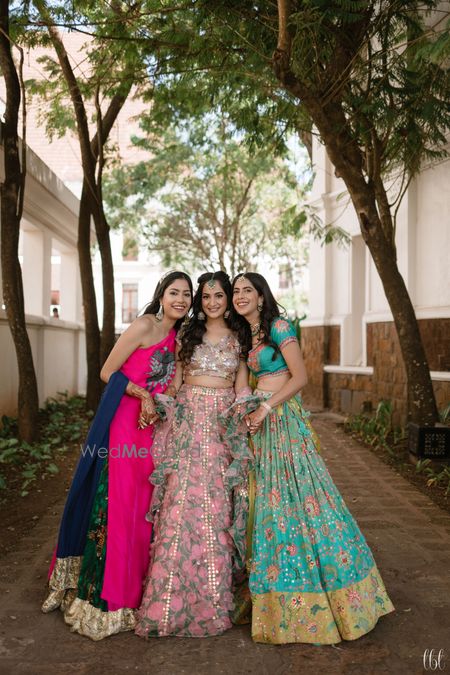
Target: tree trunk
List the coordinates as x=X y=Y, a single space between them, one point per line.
x=109 y=304
x=11 y=195
x=421 y=402
x=348 y=160
x=93 y=389
x=99 y=344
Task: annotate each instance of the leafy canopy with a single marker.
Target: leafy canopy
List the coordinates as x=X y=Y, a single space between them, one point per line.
x=204 y=199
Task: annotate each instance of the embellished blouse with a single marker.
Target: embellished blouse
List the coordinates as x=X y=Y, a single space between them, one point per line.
x=261 y=359
x=219 y=359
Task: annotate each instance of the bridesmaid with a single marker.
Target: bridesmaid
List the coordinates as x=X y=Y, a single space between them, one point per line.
x=102 y=553
x=312 y=575
x=188 y=591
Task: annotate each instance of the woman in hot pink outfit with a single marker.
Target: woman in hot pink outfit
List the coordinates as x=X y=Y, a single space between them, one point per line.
x=103 y=546
x=188 y=591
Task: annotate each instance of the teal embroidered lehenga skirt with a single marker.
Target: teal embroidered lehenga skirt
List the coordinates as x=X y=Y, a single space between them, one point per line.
x=312 y=576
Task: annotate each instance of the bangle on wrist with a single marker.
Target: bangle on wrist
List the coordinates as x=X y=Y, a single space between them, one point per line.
x=266 y=405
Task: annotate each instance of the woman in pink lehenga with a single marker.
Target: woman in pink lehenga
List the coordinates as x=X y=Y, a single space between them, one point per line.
x=188 y=591
x=102 y=555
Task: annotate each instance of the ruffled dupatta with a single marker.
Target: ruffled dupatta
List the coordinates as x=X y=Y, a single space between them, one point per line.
x=240 y=479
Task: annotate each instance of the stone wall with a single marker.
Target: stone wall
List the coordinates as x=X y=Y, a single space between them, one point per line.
x=333 y=353
x=389 y=378
x=348 y=392
x=436 y=338
x=320 y=346
x=442 y=393
x=314 y=341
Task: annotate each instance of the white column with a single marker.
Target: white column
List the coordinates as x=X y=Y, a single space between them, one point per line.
x=352 y=348
x=79 y=317
x=1 y=282
x=69 y=286
x=37 y=271
x=411 y=232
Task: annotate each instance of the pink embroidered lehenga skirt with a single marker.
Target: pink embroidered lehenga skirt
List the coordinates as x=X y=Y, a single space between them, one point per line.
x=188 y=591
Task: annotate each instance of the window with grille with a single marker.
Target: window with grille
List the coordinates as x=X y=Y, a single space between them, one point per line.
x=129 y=302
x=285 y=277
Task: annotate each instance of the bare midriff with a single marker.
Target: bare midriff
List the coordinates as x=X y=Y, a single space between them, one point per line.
x=208 y=381
x=273 y=383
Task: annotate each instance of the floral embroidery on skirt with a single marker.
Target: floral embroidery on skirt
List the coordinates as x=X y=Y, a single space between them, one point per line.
x=188 y=591
x=312 y=575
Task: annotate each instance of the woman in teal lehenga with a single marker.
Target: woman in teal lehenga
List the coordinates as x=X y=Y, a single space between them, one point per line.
x=312 y=575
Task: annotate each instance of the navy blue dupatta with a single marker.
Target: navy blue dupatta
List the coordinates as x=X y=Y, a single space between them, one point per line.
x=77 y=511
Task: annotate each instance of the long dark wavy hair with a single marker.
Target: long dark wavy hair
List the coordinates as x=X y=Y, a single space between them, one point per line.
x=163 y=283
x=194 y=329
x=271 y=309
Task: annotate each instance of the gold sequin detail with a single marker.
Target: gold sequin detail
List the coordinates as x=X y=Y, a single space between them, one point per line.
x=64 y=577
x=217 y=360
x=165 y=619
x=92 y=622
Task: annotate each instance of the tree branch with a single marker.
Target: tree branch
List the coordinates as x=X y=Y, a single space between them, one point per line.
x=284 y=39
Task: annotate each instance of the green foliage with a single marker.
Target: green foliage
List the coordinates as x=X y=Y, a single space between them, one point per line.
x=204 y=199
x=376 y=430
x=63 y=421
x=445 y=414
x=438 y=475
x=301 y=219
x=107 y=63
x=381 y=65
x=396 y=86
x=297 y=321
x=376 y=71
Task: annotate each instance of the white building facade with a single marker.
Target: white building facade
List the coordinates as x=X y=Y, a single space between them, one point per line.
x=49 y=261
x=135 y=279
x=349 y=339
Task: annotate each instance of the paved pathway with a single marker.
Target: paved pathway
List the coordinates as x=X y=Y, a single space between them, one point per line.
x=410 y=538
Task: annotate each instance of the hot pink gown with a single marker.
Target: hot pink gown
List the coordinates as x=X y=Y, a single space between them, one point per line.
x=100 y=589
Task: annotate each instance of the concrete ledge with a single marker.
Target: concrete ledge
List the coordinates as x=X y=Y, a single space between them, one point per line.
x=440 y=375
x=50 y=322
x=349 y=370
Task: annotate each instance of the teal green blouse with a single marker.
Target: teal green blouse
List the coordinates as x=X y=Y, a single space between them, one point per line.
x=260 y=357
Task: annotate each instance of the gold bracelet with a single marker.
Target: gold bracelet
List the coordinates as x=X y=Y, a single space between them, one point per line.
x=266 y=405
